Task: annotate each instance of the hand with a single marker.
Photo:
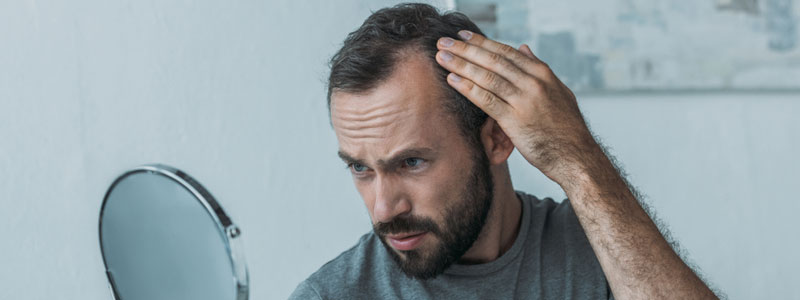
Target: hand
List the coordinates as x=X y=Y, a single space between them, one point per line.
x=540 y=115
x=534 y=108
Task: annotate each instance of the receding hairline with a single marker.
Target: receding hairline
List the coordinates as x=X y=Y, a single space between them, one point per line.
x=412 y=50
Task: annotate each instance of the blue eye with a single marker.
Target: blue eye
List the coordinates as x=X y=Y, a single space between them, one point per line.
x=413 y=162
x=358 y=168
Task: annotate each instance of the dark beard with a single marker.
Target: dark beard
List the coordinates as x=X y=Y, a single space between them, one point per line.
x=463 y=223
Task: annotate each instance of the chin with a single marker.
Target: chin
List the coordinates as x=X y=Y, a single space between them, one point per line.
x=421 y=263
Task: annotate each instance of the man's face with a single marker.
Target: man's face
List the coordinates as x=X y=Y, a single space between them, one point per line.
x=428 y=192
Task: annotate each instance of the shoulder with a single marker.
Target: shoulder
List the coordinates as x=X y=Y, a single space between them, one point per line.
x=342 y=276
x=566 y=255
x=560 y=230
x=554 y=218
x=305 y=291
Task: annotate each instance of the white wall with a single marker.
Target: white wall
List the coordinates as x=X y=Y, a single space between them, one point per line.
x=233 y=93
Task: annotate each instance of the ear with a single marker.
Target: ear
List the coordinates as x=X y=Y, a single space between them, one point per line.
x=496 y=143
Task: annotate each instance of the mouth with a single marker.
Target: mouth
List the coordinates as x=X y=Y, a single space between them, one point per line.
x=406 y=241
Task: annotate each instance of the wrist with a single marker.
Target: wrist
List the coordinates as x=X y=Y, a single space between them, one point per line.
x=588 y=169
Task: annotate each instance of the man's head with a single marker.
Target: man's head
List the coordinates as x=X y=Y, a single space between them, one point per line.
x=371 y=53
x=416 y=148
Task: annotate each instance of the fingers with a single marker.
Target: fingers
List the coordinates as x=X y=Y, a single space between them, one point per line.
x=494 y=106
x=529 y=63
x=491 y=61
x=499 y=48
x=486 y=79
x=527 y=51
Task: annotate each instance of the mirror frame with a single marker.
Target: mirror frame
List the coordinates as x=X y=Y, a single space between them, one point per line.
x=231 y=234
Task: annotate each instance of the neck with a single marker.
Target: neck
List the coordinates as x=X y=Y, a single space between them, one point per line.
x=502 y=223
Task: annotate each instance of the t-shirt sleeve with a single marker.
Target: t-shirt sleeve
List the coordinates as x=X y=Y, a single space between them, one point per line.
x=304 y=291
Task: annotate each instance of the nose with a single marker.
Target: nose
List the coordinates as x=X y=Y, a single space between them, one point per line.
x=390 y=199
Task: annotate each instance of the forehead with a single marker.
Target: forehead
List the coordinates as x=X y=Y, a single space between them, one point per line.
x=406 y=110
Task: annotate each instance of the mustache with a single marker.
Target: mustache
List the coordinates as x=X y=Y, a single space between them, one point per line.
x=403 y=224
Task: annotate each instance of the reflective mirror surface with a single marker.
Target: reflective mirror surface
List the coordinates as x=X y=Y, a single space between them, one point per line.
x=163 y=236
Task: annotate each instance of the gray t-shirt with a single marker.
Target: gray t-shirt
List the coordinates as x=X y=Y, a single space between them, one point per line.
x=550 y=259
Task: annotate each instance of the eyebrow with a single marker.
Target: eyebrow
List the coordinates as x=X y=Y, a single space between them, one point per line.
x=394 y=160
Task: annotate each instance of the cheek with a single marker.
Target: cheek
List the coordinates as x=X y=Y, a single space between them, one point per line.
x=367 y=195
x=438 y=191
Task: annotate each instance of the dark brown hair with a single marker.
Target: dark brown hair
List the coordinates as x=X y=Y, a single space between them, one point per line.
x=370 y=54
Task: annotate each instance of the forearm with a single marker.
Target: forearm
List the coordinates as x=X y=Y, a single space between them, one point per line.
x=541 y=117
x=636 y=259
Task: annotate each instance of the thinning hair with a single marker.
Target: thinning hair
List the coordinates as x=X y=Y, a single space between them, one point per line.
x=372 y=52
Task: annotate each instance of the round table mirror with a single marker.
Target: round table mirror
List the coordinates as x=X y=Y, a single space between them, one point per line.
x=163 y=236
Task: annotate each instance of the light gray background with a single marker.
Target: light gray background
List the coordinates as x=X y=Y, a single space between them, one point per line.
x=232 y=92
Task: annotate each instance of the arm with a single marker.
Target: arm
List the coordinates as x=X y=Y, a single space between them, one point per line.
x=541 y=116
x=637 y=260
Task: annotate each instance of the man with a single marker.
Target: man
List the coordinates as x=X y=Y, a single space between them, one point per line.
x=426 y=111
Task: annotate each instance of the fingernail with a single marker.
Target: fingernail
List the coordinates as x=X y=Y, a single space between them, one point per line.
x=454 y=77
x=446 y=56
x=465 y=34
x=447 y=42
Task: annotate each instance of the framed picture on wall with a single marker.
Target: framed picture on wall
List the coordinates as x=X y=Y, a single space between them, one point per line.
x=630 y=45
